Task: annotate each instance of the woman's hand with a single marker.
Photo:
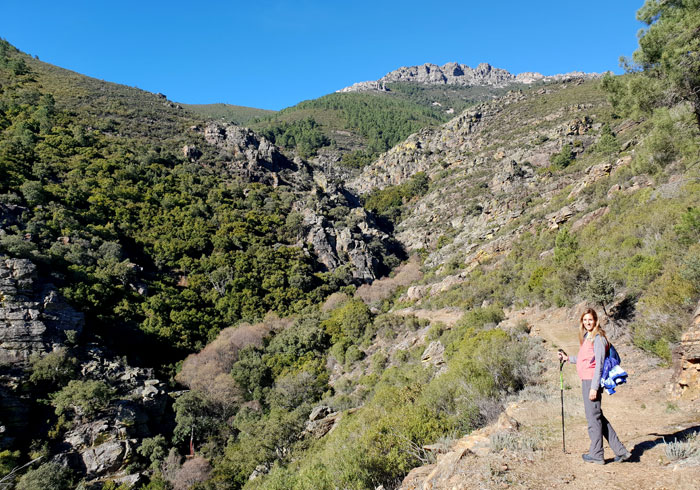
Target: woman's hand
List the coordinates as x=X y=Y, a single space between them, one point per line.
x=592 y=395
x=562 y=356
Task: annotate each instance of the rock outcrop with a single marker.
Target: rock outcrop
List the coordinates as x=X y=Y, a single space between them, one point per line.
x=458 y=74
x=687 y=362
x=334 y=245
x=337 y=241
x=445 y=472
x=252 y=156
x=33 y=316
x=104 y=445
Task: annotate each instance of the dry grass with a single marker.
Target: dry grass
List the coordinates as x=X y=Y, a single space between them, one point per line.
x=382 y=289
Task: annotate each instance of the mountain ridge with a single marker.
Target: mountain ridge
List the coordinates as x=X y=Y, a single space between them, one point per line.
x=453 y=73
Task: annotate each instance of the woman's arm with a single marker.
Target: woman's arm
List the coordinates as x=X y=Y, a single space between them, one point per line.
x=599 y=346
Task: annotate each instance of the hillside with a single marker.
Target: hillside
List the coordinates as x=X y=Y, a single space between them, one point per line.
x=131 y=233
x=346 y=130
x=229 y=113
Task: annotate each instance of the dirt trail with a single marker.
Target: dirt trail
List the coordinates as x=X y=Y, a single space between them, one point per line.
x=640 y=411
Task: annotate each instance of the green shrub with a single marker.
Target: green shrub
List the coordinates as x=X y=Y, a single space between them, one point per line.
x=348 y=321
x=83 y=398
x=388 y=202
x=564 y=158
x=49 y=476
x=55 y=369
x=436 y=330
x=688 y=229
x=378 y=361
x=607 y=143
x=8 y=461
x=353 y=354
x=155 y=449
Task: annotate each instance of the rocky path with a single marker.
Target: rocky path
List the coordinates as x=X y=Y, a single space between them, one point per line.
x=642 y=413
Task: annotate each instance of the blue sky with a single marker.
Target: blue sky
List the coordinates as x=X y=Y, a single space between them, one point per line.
x=272 y=54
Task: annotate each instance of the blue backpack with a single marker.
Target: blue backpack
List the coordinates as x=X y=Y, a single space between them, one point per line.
x=612 y=374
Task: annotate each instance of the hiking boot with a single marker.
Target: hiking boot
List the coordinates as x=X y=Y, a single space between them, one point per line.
x=623 y=457
x=590 y=459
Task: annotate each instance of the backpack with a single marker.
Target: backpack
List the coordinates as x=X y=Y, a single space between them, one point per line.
x=612 y=374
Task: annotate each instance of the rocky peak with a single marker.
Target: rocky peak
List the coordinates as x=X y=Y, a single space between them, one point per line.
x=454 y=73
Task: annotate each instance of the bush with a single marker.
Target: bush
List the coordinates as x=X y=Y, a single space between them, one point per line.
x=664 y=312
x=607 y=144
x=55 y=369
x=688 y=229
x=349 y=321
x=51 y=476
x=193 y=471
x=8 y=461
x=564 y=158
x=208 y=372
x=155 y=449
x=683 y=449
x=83 y=398
x=512 y=441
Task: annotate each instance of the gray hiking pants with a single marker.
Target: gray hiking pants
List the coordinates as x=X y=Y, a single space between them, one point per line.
x=598 y=425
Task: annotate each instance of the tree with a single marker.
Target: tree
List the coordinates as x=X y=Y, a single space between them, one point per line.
x=601 y=289
x=669 y=48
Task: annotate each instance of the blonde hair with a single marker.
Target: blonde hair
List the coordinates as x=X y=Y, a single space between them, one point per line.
x=597 y=330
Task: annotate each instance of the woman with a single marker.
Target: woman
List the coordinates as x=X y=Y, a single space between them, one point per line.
x=589 y=364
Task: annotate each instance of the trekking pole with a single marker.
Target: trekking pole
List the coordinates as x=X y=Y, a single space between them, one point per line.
x=561 y=384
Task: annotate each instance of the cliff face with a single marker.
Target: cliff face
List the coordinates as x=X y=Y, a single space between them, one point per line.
x=34 y=319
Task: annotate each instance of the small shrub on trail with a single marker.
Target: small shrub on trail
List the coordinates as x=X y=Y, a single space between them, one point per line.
x=683 y=449
x=512 y=441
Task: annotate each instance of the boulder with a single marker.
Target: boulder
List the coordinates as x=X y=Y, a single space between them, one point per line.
x=434 y=354
x=560 y=217
x=320 y=412
x=105 y=458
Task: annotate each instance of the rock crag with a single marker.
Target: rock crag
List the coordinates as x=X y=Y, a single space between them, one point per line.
x=458 y=74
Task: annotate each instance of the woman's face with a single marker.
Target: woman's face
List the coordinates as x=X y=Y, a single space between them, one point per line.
x=588 y=322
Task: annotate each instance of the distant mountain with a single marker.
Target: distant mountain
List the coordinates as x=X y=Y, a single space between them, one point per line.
x=458 y=74
x=230 y=113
